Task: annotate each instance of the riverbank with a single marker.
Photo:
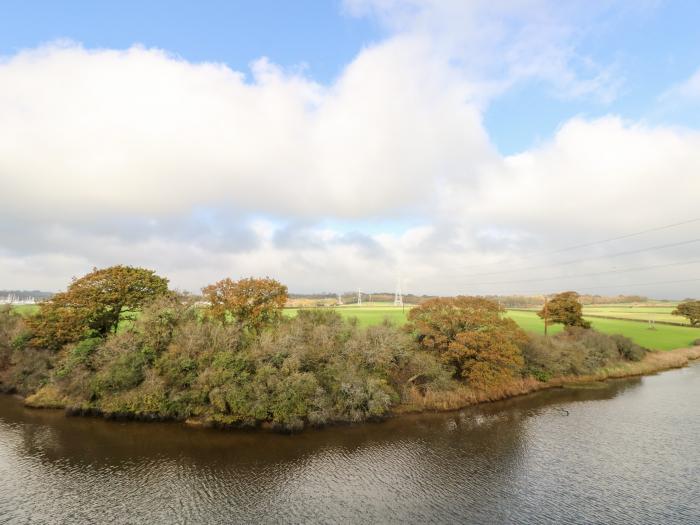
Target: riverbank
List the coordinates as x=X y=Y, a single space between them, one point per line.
x=572 y=455
x=462 y=396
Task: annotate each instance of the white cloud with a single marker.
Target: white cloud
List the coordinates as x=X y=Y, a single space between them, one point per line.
x=139 y=131
x=500 y=44
x=684 y=92
x=618 y=176
x=199 y=171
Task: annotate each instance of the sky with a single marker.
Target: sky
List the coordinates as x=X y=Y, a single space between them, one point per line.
x=454 y=146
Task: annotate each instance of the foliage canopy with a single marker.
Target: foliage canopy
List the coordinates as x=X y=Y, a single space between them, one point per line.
x=244 y=364
x=253 y=303
x=95 y=304
x=690 y=310
x=470 y=334
x=564 y=308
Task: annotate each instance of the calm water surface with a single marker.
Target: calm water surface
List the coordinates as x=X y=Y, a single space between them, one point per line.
x=628 y=452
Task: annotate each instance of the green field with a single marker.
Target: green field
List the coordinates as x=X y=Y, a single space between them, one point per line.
x=638 y=312
x=664 y=337
x=367 y=315
x=26 y=309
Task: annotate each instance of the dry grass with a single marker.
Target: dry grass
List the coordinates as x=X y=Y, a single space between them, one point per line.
x=310 y=303
x=46 y=397
x=463 y=396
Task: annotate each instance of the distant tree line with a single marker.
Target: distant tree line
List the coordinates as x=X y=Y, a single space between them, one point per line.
x=23 y=295
x=612 y=299
x=517 y=301
x=536 y=301
x=351 y=297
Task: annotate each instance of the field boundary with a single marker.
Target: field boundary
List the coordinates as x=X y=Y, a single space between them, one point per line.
x=670 y=323
x=613 y=318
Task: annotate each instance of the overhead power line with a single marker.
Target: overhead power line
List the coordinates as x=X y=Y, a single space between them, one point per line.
x=594 y=258
x=696 y=279
x=590 y=274
x=611 y=239
x=602 y=241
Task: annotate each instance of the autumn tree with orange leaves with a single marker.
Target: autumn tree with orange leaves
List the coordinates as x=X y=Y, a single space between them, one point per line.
x=95 y=304
x=472 y=335
x=254 y=303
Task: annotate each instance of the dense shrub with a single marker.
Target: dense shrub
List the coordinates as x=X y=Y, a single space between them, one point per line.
x=121 y=364
x=28 y=370
x=577 y=351
x=546 y=357
x=357 y=374
x=78 y=355
x=161 y=318
x=628 y=349
x=316 y=368
x=23 y=367
x=599 y=349
x=313 y=369
x=10 y=331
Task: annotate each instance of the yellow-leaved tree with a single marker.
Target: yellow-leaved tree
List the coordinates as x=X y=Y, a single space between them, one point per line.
x=253 y=303
x=472 y=335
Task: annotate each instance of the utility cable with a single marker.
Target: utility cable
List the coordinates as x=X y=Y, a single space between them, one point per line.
x=575 y=261
x=603 y=241
x=591 y=274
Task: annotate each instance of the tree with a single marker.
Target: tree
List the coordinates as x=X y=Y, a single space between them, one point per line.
x=95 y=304
x=565 y=309
x=470 y=334
x=254 y=303
x=689 y=310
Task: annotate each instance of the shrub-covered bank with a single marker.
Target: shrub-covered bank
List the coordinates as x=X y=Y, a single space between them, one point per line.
x=462 y=396
x=236 y=361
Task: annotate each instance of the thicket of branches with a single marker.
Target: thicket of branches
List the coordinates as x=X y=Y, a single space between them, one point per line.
x=118 y=342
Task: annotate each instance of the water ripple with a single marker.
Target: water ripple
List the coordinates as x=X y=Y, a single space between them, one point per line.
x=627 y=453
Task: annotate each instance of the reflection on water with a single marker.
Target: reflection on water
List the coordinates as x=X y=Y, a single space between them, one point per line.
x=624 y=453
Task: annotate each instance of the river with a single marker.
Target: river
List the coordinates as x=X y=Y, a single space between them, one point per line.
x=627 y=451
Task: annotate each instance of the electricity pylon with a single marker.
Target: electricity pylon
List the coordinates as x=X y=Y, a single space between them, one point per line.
x=398 y=296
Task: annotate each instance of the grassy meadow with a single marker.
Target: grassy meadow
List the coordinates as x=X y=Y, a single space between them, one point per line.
x=660 y=313
x=26 y=309
x=663 y=337
x=367 y=315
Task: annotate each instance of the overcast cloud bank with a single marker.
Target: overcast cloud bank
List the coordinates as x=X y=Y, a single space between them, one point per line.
x=137 y=156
